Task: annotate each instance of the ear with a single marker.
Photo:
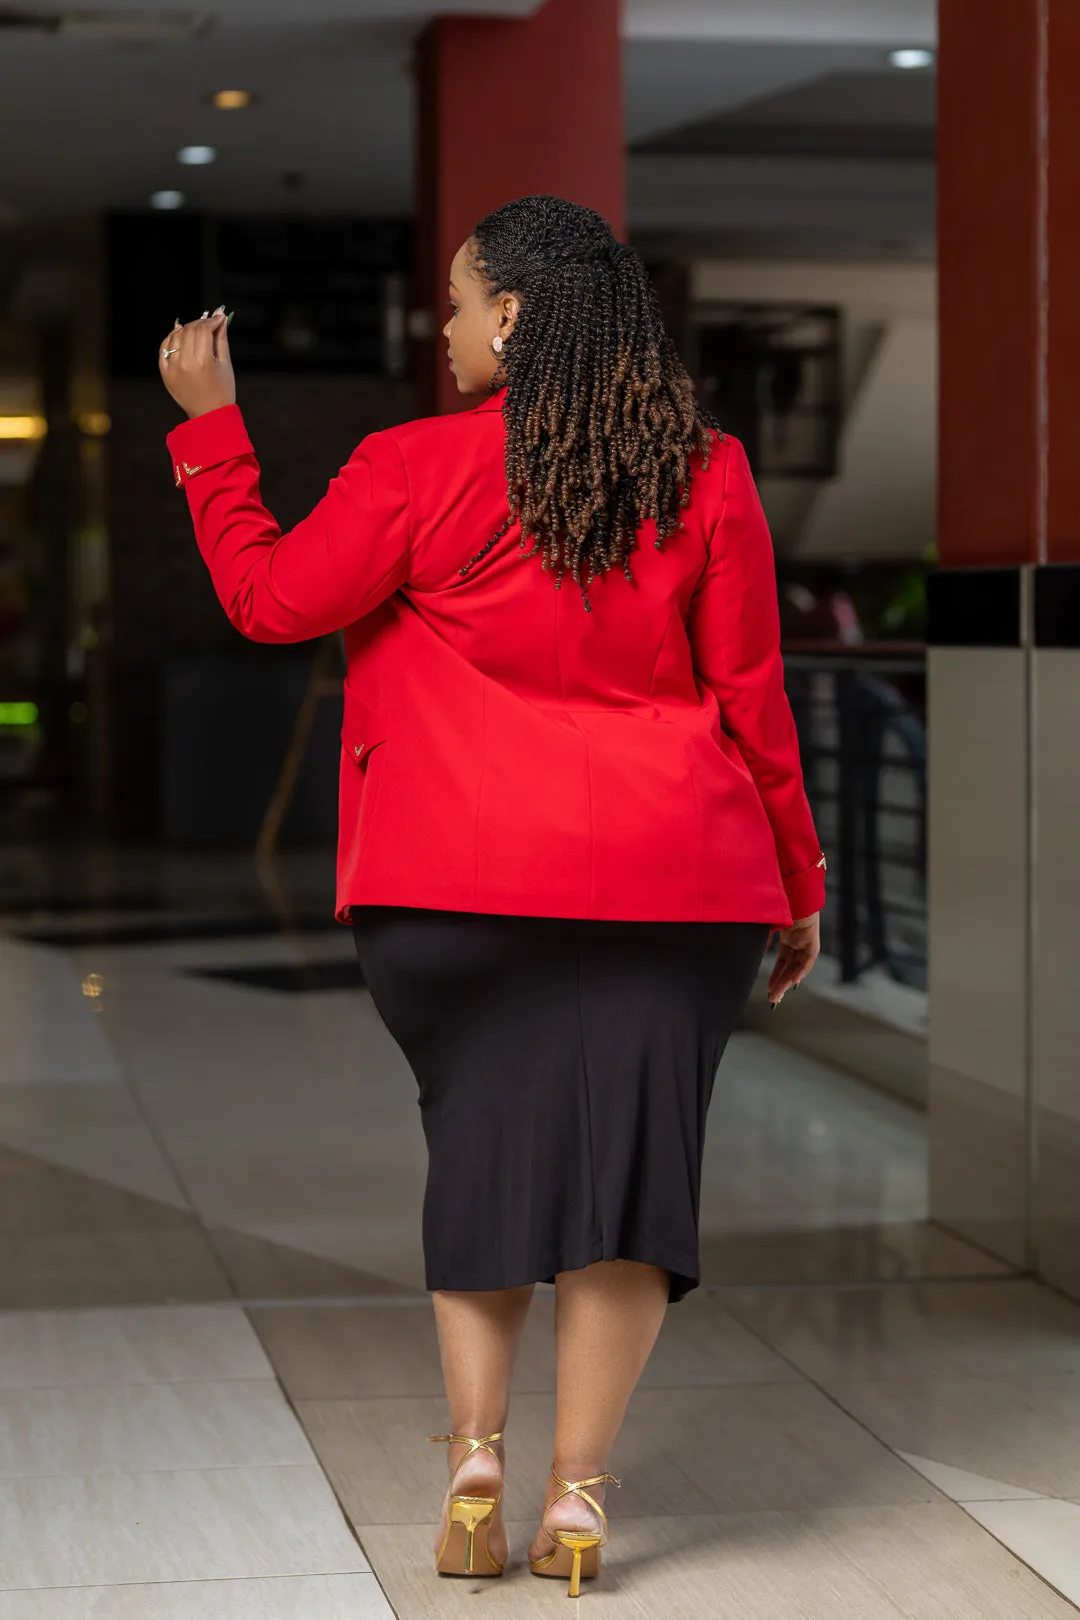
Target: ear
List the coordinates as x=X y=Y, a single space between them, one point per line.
x=509 y=309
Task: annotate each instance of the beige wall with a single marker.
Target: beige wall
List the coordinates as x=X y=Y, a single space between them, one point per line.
x=1055 y=1055
x=979 y=895
x=882 y=504
x=1004 y=1070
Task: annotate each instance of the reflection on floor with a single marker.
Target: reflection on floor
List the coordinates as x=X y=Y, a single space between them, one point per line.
x=217 y=1362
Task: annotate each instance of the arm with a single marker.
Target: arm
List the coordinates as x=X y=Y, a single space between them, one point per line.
x=734 y=630
x=346 y=557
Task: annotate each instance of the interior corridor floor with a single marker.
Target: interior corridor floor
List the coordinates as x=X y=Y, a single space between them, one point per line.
x=218 y=1365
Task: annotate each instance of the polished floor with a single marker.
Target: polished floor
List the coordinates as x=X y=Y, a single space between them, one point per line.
x=217 y=1362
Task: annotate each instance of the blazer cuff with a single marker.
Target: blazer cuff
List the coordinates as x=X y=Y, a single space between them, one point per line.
x=207 y=441
x=806 y=890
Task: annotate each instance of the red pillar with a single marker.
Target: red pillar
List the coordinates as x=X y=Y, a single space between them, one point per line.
x=1009 y=153
x=508 y=108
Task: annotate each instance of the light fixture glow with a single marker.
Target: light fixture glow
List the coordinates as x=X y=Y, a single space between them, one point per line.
x=168 y=200
x=18 y=714
x=95 y=424
x=232 y=100
x=23 y=427
x=196 y=156
x=912 y=58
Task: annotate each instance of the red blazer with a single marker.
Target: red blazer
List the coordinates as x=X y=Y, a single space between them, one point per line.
x=503 y=750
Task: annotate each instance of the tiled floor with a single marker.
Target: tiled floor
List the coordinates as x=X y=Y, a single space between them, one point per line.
x=217 y=1362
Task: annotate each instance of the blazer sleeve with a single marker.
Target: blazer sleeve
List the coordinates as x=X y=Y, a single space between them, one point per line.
x=734 y=628
x=346 y=557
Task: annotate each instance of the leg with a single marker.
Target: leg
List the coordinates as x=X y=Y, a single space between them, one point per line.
x=607 y=1320
x=479 y=1334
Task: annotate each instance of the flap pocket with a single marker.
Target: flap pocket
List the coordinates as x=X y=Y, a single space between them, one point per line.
x=362 y=730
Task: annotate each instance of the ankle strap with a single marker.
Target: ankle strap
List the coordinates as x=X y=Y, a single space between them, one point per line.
x=580 y=1488
x=474 y=1445
x=597 y=1479
x=465 y=1440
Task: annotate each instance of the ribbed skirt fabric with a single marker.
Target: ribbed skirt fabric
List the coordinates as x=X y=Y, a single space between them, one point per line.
x=565 y=1070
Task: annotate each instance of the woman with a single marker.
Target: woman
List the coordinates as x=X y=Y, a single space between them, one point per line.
x=571 y=808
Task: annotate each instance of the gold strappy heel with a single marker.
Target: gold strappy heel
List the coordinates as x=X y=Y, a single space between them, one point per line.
x=578 y=1551
x=472 y=1515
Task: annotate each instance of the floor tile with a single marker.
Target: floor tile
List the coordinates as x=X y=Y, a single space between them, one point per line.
x=260 y=1269
x=923 y=1562
x=742 y=1449
x=93 y=1130
x=109 y=1268
x=753 y=1448
x=790 y=1134
x=136 y=1428
x=303 y=979
x=42 y=1199
x=335 y=1353
x=69 y=1239
x=899 y=1251
x=960 y=1486
x=1025 y=1431
x=1046 y=1535
x=306 y=1597
x=112 y=1529
x=962 y=1330
x=874 y=1029
x=51 y=1031
x=150 y=1345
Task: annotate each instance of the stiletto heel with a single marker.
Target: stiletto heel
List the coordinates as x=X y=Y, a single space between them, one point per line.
x=577 y=1552
x=469 y=1518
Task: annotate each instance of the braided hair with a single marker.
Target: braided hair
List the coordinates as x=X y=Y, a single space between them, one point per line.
x=602 y=425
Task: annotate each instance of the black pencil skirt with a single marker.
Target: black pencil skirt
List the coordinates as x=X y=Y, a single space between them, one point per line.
x=565 y=1070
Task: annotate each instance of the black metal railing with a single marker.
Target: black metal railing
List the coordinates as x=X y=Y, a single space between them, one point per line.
x=861 y=717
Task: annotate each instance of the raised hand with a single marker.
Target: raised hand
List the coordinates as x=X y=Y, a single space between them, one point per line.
x=195 y=365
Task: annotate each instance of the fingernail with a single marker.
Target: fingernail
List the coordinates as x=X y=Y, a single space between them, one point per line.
x=229 y=318
x=220 y=310
x=206 y=315
x=177 y=322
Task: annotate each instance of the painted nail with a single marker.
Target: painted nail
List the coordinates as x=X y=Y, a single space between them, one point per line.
x=230 y=317
x=220 y=310
x=178 y=322
x=205 y=315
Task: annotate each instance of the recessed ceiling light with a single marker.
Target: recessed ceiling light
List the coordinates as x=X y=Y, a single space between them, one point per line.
x=196 y=156
x=232 y=100
x=912 y=58
x=168 y=200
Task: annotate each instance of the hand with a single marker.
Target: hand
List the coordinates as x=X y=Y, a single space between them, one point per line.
x=798 y=949
x=195 y=365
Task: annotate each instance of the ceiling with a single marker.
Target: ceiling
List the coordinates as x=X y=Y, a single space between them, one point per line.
x=845 y=112
x=712 y=86
x=839 y=22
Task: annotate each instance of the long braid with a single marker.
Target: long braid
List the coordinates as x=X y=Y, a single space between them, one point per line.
x=602 y=426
